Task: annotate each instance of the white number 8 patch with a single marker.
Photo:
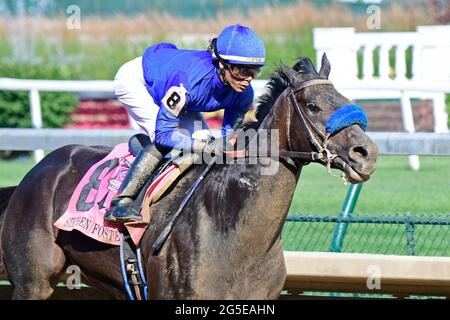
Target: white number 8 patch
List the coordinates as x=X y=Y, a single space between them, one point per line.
x=175 y=99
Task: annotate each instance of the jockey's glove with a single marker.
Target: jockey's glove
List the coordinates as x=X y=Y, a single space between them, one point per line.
x=213 y=146
x=202 y=135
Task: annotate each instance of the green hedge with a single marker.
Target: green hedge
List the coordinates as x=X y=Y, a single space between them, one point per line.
x=15 y=105
x=447 y=100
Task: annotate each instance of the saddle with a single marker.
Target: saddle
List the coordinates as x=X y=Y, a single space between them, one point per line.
x=92 y=198
x=93 y=194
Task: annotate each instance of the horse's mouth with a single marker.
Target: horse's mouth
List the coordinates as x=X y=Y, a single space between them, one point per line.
x=352 y=175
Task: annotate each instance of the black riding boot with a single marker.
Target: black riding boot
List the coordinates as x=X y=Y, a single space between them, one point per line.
x=139 y=173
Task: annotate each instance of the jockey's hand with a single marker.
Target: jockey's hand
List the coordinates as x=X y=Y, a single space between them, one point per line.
x=205 y=142
x=201 y=138
x=203 y=135
x=214 y=147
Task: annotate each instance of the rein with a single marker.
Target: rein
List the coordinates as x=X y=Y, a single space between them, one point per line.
x=322 y=152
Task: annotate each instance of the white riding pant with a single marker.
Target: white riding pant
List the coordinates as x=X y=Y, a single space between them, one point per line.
x=130 y=89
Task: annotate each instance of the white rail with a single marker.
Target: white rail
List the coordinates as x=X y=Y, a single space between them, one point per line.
x=35 y=86
x=389 y=143
x=404 y=90
x=57 y=85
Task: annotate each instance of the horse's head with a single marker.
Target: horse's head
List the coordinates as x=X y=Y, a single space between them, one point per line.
x=322 y=121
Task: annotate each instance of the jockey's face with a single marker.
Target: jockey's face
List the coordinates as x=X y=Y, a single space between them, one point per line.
x=238 y=77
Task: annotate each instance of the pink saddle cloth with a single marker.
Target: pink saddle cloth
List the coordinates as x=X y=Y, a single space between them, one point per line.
x=93 y=194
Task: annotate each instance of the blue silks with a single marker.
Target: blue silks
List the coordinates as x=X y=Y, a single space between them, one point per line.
x=164 y=67
x=345 y=116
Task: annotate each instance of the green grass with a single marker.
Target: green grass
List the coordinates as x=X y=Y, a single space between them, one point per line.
x=394 y=187
x=447 y=101
x=101 y=62
x=12 y=171
x=393 y=191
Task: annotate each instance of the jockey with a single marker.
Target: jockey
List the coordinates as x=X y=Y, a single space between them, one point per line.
x=165 y=90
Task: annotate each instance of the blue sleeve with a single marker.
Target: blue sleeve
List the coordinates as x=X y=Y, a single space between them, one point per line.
x=168 y=134
x=233 y=113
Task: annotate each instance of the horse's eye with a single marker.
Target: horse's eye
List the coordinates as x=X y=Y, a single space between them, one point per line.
x=312 y=107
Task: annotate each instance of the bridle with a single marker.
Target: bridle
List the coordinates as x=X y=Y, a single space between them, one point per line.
x=318 y=139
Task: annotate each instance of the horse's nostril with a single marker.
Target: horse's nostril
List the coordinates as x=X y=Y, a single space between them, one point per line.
x=360 y=151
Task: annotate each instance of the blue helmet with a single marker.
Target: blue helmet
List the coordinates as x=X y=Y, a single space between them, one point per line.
x=239 y=44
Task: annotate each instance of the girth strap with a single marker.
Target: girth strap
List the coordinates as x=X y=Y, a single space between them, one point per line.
x=131 y=269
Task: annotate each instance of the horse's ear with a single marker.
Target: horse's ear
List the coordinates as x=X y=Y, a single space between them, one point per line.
x=305 y=66
x=288 y=74
x=325 y=67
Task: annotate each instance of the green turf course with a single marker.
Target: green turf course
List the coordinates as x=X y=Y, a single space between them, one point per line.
x=393 y=191
x=394 y=187
x=12 y=171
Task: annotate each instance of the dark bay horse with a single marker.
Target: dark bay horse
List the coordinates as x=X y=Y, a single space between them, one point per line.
x=226 y=245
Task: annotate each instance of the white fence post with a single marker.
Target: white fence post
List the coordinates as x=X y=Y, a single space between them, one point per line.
x=440 y=113
x=36 y=118
x=408 y=123
x=432 y=63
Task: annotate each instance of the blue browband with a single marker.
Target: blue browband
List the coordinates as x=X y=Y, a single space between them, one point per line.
x=345 y=116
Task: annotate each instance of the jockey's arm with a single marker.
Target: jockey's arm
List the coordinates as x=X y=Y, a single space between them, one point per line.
x=168 y=134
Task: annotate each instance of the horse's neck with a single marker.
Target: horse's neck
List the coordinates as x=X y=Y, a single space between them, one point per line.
x=269 y=188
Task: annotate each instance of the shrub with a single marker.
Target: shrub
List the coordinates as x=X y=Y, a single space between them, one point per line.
x=447 y=100
x=15 y=105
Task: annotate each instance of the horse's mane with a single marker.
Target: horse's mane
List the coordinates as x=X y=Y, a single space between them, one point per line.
x=5 y=195
x=279 y=80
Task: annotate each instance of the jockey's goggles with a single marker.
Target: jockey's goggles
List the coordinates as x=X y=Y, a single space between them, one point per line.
x=242 y=72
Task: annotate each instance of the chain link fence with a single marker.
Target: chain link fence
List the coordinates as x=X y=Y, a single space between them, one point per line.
x=389 y=233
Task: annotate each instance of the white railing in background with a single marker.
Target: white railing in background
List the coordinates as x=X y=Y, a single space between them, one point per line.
x=430 y=46
x=389 y=143
x=36 y=86
x=351 y=89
